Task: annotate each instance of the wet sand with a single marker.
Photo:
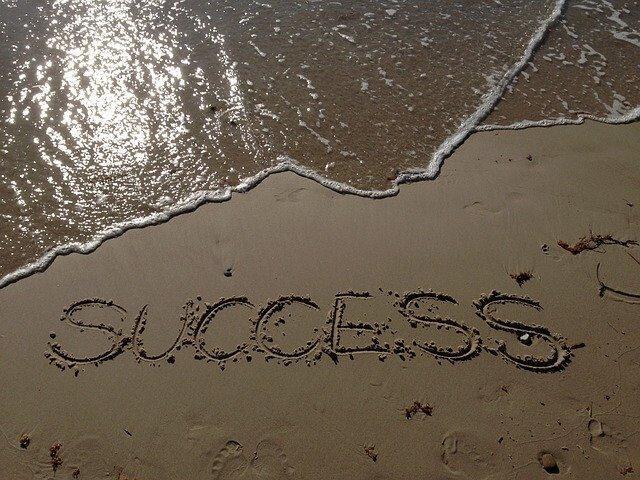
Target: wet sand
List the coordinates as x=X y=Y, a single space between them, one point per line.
x=294 y=332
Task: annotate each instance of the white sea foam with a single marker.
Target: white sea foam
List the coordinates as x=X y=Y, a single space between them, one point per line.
x=619 y=119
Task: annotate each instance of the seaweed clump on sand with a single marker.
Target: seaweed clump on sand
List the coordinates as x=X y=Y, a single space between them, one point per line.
x=25 y=441
x=370 y=451
x=417 y=407
x=522 y=277
x=54 y=453
x=593 y=242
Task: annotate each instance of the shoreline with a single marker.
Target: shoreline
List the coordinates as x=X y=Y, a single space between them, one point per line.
x=202 y=198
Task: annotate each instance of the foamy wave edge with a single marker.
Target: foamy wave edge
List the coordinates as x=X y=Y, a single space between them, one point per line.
x=287 y=164
x=629 y=117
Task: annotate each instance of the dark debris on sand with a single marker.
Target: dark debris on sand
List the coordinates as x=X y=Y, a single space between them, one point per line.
x=522 y=277
x=370 y=451
x=593 y=242
x=54 y=453
x=25 y=441
x=418 y=407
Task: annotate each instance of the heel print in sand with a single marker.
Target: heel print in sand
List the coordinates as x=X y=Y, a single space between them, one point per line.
x=267 y=461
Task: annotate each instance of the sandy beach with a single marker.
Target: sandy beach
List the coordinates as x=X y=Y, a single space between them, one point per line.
x=483 y=325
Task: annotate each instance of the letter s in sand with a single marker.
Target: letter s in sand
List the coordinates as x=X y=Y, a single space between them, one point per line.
x=560 y=354
x=115 y=336
x=409 y=307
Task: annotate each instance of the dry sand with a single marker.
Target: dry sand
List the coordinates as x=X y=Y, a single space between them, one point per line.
x=328 y=403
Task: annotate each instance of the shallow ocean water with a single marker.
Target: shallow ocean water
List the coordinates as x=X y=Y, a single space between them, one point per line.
x=122 y=112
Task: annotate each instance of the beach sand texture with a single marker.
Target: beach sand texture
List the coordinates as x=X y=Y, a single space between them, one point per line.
x=454 y=331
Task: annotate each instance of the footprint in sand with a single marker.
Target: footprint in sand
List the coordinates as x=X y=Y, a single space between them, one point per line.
x=604 y=439
x=463 y=453
x=230 y=463
x=268 y=462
